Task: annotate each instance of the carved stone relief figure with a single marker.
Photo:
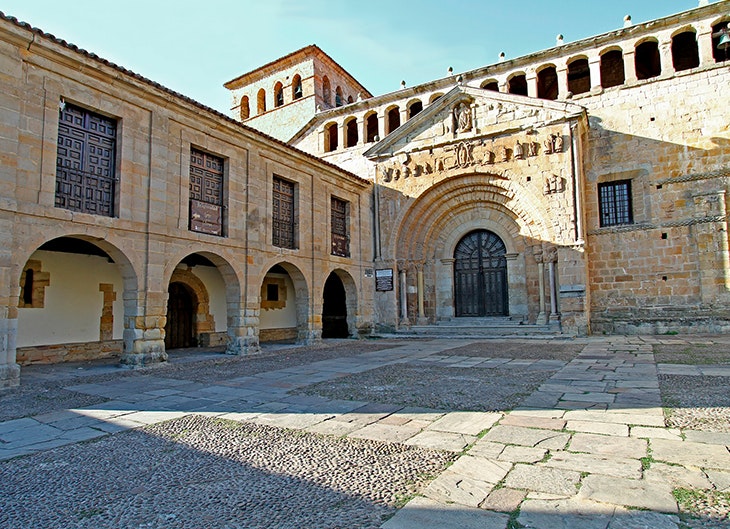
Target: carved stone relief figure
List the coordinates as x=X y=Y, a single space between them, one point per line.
x=532 y=148
x=504 y=152
x=557 y=142
x=488 y=158
x=551 y=254
x=519 y=154
x=553 y=184
x=537 y=252
x=548 y=143
x=462 y=117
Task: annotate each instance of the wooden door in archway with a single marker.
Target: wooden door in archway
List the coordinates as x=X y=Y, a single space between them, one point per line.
x=480 y=276
x=179 y=328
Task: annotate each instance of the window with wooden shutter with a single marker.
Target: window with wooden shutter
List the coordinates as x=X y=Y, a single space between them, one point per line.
x=206 y=193
x=339 y=228
x=284 y=215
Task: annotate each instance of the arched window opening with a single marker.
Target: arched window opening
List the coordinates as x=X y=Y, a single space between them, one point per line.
x=490 y=85
x=371 y=128
x=351 y=135
x=244 y=109
x=349 y=100
x=685 y=52
x=278 y=95
x=326 y=91
x=393 y=120
x=517 y=85
x=330 y=138
x=414 y=109
x=433 y=98
x=579 y=76
x=648 y=64
x=261 y=101
x=296 y=87
x=547 y=83
x=612 y=69
x=718 y=54
x=338 y=97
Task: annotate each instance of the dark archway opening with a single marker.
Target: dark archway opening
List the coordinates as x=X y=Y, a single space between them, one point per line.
x=334 y=309
x=480 y=276
x=180 y=324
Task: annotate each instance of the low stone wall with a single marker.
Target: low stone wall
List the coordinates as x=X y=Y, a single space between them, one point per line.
x=69 y=352
x=660 y=321
x=277 y=335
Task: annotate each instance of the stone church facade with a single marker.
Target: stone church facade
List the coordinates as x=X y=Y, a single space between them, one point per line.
x=579 y=189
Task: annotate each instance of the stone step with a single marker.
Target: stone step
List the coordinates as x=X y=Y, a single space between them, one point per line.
x=483 y=327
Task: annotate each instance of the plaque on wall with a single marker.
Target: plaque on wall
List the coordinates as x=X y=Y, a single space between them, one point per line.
x=384 y=279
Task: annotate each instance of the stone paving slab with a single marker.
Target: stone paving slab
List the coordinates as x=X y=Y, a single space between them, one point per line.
x=605 y=465
x=678 y=476
x=652 y=495
x=543 y=479
x=452 y=442
x=421 y=513
x=466 y=422
x=691 y=454
x=628 y=447
x=605 y=428
x=452 y=487
x=532 y=437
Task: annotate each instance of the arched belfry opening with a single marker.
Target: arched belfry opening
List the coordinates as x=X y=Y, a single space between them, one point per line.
x=480 y=276
x=182 y=305
x=334 y=309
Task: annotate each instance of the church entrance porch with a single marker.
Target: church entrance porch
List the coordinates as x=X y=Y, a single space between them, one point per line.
x=480 y=276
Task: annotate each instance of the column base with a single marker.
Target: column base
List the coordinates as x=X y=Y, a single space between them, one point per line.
x=9 y=376
x=137 y=360
x=541 y=319
x=243 y=346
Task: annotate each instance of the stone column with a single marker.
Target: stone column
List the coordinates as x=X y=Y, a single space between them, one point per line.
x=594 y=66
x=444 y=284
x=9 y=370
x=562 y=72
x=403 y=293
x=421 y=294
x=665 y=56
x=537 y=252
x=531 y=78
x=144 y=330
x=243 y=337
x=552 y=258
x=630 y=66
x=704 y=42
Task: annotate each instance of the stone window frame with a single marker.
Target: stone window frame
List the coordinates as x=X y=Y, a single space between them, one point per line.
x=276 y=239
x=623 y=213
x=280 y=283
x=40 y=281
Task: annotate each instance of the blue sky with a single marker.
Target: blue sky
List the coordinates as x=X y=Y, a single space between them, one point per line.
x=194 y=47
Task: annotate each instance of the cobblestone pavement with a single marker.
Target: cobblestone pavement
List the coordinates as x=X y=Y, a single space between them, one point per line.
x=298 y=441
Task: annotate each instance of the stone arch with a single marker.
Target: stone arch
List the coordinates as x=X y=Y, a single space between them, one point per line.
x=278 y=94
x=351 y=303
x=180 y=268
x=685 y=49
x=579 y=75
x=612 y=67
x=245 y=108
x=392 y=118
x=414 y=107
x=517 y=84
x=261 y=101
x=351 y=134
x=203 y=322
x=490 y=84
x=339 y=101
x=647 y=60
x=331 y=137
x=326 y=91
x=434 y=98
x=305 y=332
x=717 y=26
x=547 y=82
x=296 y=88
x=371 y=126
x=429 y=229
x=114 y=336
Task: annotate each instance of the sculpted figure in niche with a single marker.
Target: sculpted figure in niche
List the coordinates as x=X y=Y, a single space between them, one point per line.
x=462 y=117
x=532 y=148
x=505 y=153
x=488 y=158
x=519 y=154
x=548 y=145
x=557 y=142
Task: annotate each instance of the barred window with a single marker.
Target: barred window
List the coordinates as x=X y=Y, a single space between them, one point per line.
x=284 y=214
x=340 y=232
x=85 y=161
x=615 y=203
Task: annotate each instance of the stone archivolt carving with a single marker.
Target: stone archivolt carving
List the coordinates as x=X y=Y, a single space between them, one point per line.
x=470 y=153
